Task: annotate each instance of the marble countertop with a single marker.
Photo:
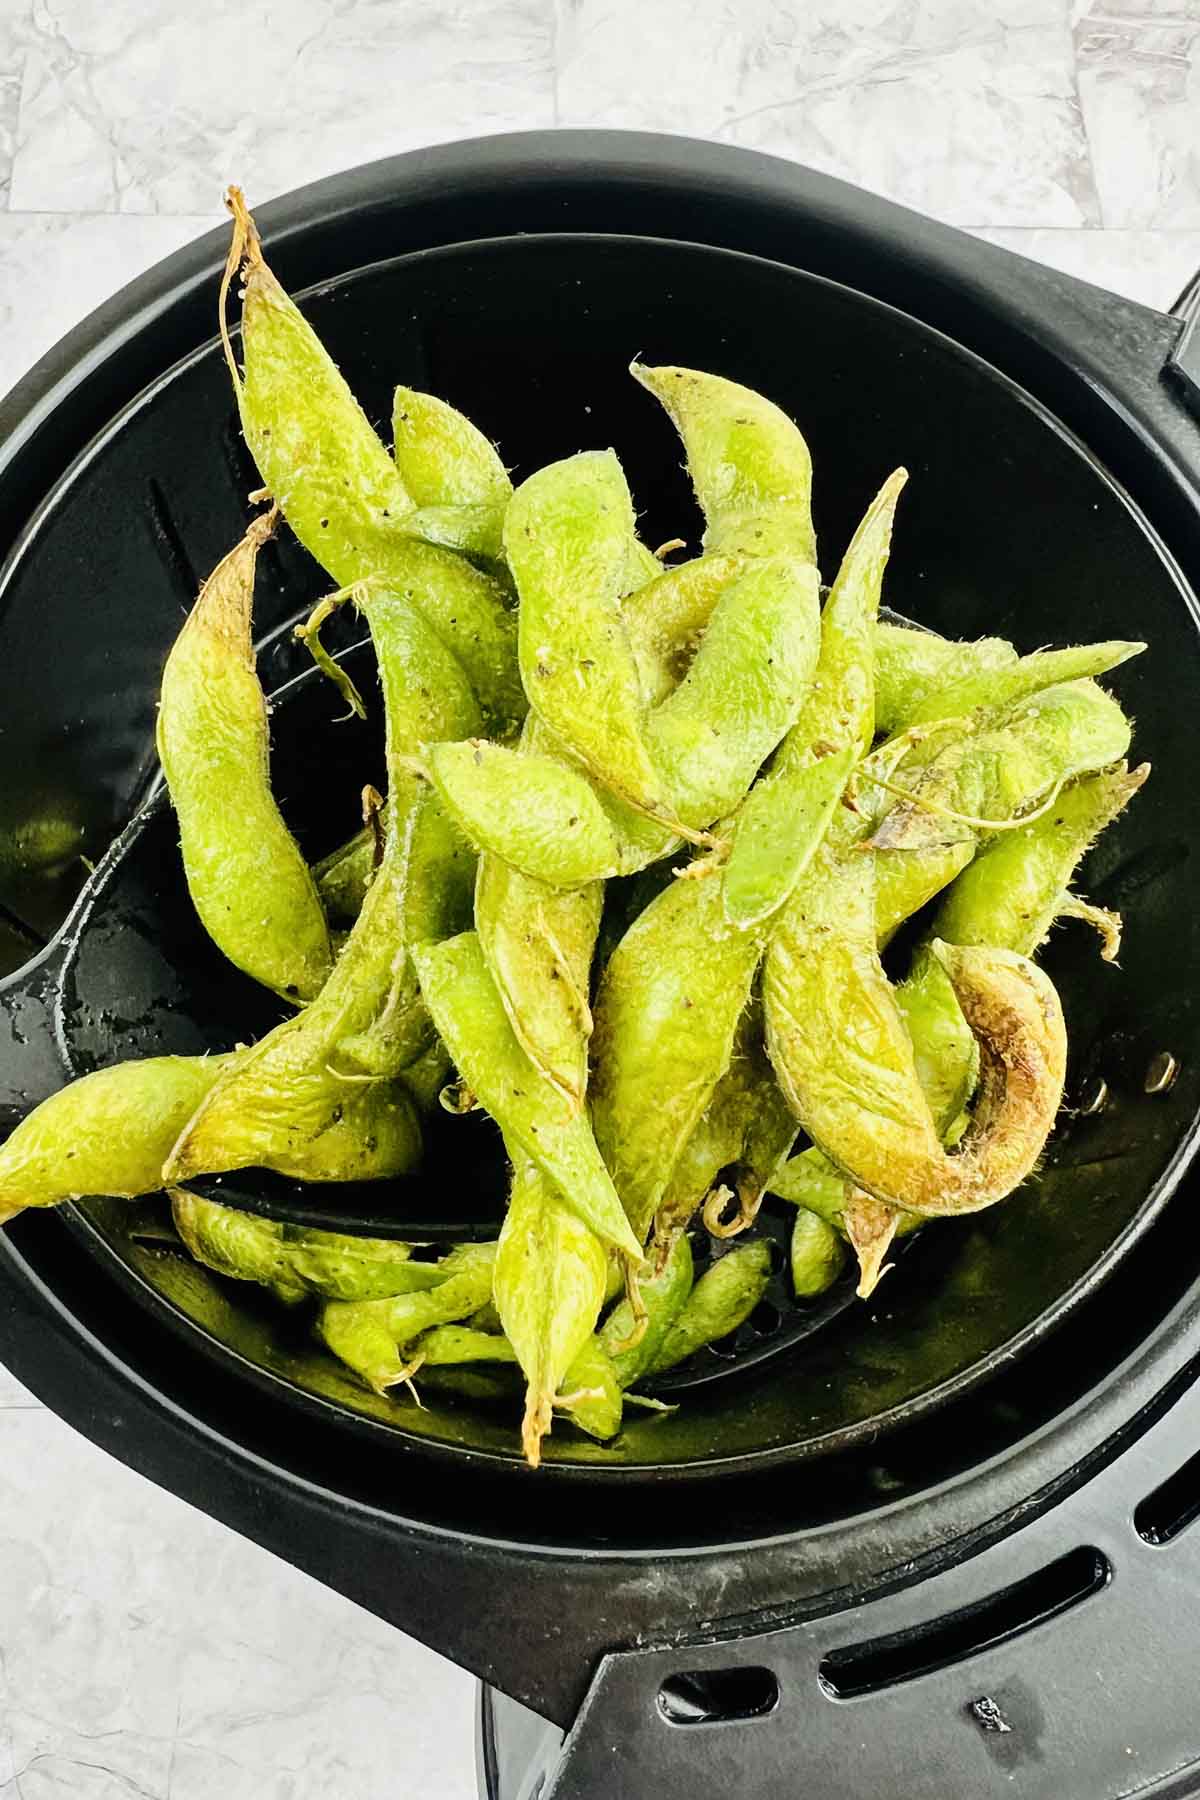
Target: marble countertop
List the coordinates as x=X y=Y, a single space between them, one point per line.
x=144 y=1650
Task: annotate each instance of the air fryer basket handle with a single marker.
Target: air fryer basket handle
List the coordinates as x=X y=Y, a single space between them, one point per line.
x=1183 y=363
x=1061 y=1661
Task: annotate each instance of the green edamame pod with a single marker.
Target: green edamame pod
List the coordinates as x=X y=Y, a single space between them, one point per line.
x=666 y=1013
x=451 y=472
x=372 y=1336
x=667 y=617
x=591 y=1396
x=662 y=1296
x=722 y=1299
x=906 y=880
x=344 y=876
x=817 y=1255
x=744 y=689
x=566 y=534
x=998 y=689
x=294 y=1261
x=747 y=1130
x=248 y=881
x=749 y=464
x=535 y=811
x=777 y=829
x=316 y=1097
x=448 y=1346
x=549 y=1286
x=991 y=771
x=107 y=1133
x=472 y=1023
x=537 y=942
x=912 y=665
x=339 y=489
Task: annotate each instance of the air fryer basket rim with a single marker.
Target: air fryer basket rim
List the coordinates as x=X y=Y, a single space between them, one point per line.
x=951 y=1388
x=1095 y=361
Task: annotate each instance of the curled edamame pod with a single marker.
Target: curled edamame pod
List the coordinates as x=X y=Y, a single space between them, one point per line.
x=316 y=1098
x=845 y=1060
x=471 y=1021
x=373 y=1337
x=107 y=1133
x=248 y=881
x=749 y=463
x=1008 y=897
x=666 y=1012
x=451 y=472
x=722 y=1299
x=549 y=1286
x=337 y=486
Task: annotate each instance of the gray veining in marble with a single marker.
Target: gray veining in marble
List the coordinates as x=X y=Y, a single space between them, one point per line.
x=144 y=1650
x=1139 y=85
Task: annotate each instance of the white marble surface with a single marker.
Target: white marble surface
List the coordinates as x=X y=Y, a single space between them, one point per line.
x=145 y=1651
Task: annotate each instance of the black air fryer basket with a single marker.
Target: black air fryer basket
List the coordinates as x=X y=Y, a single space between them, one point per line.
x=938 y=1549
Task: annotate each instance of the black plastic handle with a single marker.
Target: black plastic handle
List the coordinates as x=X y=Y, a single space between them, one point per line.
x=1060 y=1661
x=1183 y=363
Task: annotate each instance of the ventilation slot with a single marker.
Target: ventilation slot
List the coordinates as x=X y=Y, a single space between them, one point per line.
x=885 y=1661
x=717 y=1696
x=1171 y=1508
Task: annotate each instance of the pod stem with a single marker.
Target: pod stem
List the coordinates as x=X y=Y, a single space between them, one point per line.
x=309 y=634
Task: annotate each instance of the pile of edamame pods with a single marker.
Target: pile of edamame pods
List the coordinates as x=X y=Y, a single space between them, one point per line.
x=649 y=826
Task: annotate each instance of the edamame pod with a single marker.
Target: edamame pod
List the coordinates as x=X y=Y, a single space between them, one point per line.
x=998 y=689
x=451 y=472
x=913 y=665
x=248 y=881
x=845 y=1060
x=339 y=489
x=591 y=1396
x=817 y=1255
x=632 y=1344
x=373 y=1337
x=666 y=1012
x=535 y=811
x=565 y=536
x=471 y=1021
x=107 y=1133
x=722 y=1299
x=743 y=691
x=316 y=1098
x=778 y=827
x=293 y=1261
x=749 y=464
x=537 y=942
x=991 y=771
x=549 y=1285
